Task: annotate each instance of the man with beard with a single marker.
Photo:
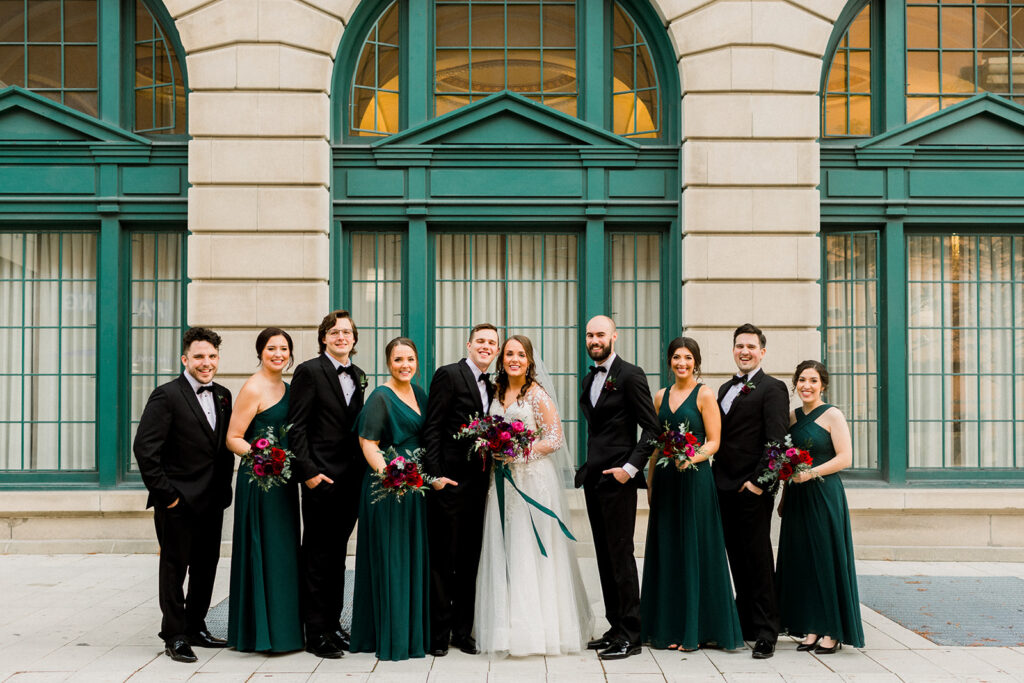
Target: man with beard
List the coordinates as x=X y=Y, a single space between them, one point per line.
x=615 y=400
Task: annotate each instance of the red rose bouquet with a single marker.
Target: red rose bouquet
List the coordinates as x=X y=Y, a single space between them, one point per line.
x=784 y=461
x=269 y=464
x=677 y=447
x=401 y=475
x=494 y=437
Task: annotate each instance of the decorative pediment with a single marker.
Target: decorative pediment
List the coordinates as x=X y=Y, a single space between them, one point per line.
x=985 y=120
x=504 y=119
x=28 y=117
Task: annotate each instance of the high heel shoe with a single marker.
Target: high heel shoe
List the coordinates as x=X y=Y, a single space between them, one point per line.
x=828 y=650
x=807 y=647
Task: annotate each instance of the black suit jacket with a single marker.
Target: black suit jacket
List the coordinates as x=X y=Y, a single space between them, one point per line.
x=179 y=455
x=753 y=420
x=322 y=435
x=453 y=399
x=624 y=403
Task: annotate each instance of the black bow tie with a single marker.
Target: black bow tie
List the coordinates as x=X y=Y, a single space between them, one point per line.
x=348 y=370
x=483 y=378
x=738 y=380
x=594 y=369
x=205 y=387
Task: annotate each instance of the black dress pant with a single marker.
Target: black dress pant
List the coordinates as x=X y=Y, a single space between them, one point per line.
x=329 y=515
x=189 y=544
x=611 y=507
x=455 y=525
x=746 y=524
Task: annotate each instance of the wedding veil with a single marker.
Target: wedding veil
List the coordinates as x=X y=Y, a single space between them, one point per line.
x=562 y=458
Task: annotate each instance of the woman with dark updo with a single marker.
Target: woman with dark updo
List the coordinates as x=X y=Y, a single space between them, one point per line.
x=815 y=572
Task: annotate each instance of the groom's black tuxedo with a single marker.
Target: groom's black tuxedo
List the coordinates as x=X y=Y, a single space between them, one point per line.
x=323 y=439
x=754 y=418
x=625 y=403
x=455 y=514
x=181 y=457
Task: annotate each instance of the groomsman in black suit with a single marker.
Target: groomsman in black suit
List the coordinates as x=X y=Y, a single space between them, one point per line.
x=455 y=510
x=187 y=468
x=755 y=411
x=326 y=397
x=615 y=400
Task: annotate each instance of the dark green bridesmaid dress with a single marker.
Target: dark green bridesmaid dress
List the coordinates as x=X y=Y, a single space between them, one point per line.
x=263 y=606
x=686 y=598
x=815 y=573
x=390 y=615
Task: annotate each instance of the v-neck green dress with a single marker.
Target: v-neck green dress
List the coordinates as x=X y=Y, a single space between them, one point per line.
x=263 y=605
x=686 y=598
x=815 y=573
x=390 y=615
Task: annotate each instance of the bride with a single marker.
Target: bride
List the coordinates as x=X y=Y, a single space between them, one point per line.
x=527 y=603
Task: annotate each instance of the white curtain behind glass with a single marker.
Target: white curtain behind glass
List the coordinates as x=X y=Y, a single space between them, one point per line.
x=376 y=299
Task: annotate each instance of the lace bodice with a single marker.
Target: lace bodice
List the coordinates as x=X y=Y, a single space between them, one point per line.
x=539 y=413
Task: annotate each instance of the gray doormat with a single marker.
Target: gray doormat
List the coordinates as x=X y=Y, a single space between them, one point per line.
x=951 y=610
x=217 y=617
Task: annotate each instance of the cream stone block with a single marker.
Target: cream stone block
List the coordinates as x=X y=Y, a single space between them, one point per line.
x=199 y=258
x=754 y=162
x=262 y=255
x=709 y=209
x=727 y=303
x=695 y=163
x=670 y=10
x=212 y=69
x=303 y=70
x=723 y=23
x=133 y=502
x=710 y=70
x=787 y=255
x=717 y=303
x=790 y=209
x=1008 y=530
x=780 y=23
x=220 y=23
x=223 y=113
x=828 y=10
x=304 y=209
x=294 y=114
x=26 y=503
x=908 y=529
x=221 y=304
x=291 y=304
x=787 y=304
x=966 y=499
x=259 y=66
x=222 y=208
x=176 y=8
x=200 y=156
x=238 y=355
x=342 y=9
x=298 y=24
x=53 y=528
x=772 y=69
x=267 y=161
x=720 y=115
x=784 y=116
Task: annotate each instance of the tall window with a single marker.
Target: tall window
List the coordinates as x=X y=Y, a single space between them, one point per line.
x=376 y=296
x=375 y=84
x=635 y=269
x=847 y=98
x=635 y=110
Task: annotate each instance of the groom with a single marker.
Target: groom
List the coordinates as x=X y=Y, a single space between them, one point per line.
x=326 y=397
x=187 y=468
x=755 y=411
x=455 y=511
x=615 y=400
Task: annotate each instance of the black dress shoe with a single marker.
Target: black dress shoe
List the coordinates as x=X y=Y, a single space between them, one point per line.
x=180 y=651
x=323 y=646
x=820 y=650
x=206 y=639
x=620 y=649
x=467 y=644
x=807 y=647
x=601 y=643
x=439 y=652
x=342 y=639
x=763 y=649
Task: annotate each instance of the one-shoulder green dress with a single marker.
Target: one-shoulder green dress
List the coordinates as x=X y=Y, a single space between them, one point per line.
x=686 y=598
x=390 y=615
x=263 y=605
x=815 y=572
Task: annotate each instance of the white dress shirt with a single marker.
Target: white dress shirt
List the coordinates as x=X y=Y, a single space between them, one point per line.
x=480 y=385
x=206 y=399
x=600 y=378
x=348 y=385
x=735 y=390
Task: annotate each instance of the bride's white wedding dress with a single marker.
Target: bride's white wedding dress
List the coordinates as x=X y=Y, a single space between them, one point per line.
x=528 y=604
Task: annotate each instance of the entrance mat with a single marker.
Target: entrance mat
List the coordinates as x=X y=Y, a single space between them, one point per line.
x=951 y=610
x=217 y=617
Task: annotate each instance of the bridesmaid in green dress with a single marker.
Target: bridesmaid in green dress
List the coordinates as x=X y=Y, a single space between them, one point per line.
x=816 y=576
x=263 y=605
x=389 y=610
x=686 y=600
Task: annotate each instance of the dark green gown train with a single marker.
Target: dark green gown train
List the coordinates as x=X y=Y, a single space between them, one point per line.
x=263 y=606
x=815 y=573
x=687 y=597
x=390 y=615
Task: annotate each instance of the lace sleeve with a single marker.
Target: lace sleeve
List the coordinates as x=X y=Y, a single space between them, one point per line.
x=545 y=414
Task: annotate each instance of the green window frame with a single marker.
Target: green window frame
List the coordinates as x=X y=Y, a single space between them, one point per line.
x=634 y=299
x=377 y=68
x=375 y=292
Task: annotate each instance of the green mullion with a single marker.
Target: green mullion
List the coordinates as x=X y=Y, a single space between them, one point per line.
x=108 y=23
x=1013 y=356
x=60 y=338
x=893 y=310
x=977 y=319
x=942 y=341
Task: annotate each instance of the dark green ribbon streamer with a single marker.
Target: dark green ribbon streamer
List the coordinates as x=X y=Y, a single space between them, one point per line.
x=502 y=473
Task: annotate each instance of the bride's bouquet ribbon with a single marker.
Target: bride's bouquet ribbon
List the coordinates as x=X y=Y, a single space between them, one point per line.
x=502 y=473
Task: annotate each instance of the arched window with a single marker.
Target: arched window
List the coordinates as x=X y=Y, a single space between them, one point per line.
x=52 y=47
x=544 y=50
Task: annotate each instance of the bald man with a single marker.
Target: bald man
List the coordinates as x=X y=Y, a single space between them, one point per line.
x=615 y=400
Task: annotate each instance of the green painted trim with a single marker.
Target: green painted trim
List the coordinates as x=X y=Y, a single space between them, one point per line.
x=417 y=250
x=982 y=103
x=893 y=366
x=14 y=96
x=419 y=42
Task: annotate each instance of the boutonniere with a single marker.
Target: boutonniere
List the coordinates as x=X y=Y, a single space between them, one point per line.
x=224 y=404
x=747 y=387
x=363 y=381
x=610 y=385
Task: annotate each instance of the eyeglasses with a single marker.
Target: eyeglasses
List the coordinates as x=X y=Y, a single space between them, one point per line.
x=343 y=333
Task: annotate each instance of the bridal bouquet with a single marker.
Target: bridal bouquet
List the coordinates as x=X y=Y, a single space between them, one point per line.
x=401 y=475
x=784 y=461
x=269 y=464
x=677 y=446
x=493 y=436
